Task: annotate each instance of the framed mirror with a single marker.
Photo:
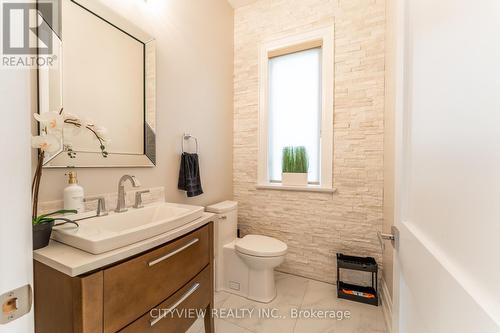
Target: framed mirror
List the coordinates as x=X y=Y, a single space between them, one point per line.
x=106 y=77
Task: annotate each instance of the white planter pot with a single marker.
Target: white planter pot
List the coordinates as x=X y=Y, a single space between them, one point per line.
x=294 y=179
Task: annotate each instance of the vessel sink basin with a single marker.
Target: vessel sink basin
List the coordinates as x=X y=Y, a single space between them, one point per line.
x=101 y=234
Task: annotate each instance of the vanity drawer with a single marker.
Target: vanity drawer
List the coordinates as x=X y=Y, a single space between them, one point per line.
x=136 y=286
x=195 y=296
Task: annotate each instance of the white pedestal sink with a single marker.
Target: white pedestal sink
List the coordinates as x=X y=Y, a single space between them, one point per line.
x=101 y=234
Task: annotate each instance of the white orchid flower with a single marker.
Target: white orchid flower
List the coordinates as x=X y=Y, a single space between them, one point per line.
x=52 y=121
x=73 y=125
x=48 y=143
x=102 y=132
x=70 y=116
x=85 y=122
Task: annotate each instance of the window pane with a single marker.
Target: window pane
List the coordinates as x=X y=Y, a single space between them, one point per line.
x=295 y=109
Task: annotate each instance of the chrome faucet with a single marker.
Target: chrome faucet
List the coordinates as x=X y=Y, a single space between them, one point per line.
x=121 y=206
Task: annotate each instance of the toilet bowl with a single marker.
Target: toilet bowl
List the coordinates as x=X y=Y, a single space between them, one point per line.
x=261 y=254
x=244 y=266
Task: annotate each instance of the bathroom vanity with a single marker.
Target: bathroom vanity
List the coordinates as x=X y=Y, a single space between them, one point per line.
x=144 y=287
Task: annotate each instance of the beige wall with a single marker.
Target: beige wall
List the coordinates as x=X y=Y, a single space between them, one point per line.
x=195 y=91
x=316 y=225
x=389 y=138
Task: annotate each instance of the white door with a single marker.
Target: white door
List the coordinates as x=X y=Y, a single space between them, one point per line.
x=15 y=172
x=447 y=272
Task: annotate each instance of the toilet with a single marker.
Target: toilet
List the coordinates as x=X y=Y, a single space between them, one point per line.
x=244 y=266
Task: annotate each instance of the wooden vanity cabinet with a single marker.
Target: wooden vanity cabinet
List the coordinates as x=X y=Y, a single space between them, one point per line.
x=128 y=296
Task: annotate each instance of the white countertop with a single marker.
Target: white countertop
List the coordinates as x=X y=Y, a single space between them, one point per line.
x=73 y=262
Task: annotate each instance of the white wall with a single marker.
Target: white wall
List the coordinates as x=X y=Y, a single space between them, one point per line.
x=15 y=172
x=194 y=94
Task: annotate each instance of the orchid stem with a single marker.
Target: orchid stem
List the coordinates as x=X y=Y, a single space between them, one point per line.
x=36 y=183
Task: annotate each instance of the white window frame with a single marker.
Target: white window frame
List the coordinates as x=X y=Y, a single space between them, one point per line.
x=326 y=36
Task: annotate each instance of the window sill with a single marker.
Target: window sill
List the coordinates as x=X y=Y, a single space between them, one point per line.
x=308 y=188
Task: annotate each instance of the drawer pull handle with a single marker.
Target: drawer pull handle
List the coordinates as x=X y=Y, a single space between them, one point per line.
x=175 y=305
x=173 y=253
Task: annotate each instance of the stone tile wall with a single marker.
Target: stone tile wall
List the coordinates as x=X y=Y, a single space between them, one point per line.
x=317 y=225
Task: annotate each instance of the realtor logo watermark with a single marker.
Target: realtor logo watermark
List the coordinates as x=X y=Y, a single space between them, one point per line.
x=27 y=36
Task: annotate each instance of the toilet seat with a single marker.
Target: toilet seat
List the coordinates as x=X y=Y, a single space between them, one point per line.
x=260 y=246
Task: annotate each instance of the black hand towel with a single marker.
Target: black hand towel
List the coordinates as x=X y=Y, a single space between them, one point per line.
x=189 y=175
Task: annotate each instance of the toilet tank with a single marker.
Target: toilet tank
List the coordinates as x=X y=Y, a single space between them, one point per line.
x=226 y=224
x=225 y=231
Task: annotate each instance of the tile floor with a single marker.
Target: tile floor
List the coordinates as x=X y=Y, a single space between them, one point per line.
x=294 y=294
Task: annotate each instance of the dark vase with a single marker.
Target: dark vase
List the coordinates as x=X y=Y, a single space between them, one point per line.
x=41 y=235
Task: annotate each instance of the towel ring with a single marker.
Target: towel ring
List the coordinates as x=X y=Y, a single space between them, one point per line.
x=186 y=137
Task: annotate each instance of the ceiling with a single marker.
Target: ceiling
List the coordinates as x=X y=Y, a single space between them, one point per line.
x=239 y=3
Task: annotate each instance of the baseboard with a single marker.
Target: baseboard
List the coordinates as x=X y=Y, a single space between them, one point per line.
x=386 y=305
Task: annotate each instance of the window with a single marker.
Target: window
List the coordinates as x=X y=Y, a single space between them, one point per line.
x=296 y=106
x=295 y=109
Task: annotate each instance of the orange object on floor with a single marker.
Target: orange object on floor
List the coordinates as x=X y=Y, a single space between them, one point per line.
x=358 y=293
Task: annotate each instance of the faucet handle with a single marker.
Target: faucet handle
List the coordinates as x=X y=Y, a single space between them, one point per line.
x=135 y=182
x=101 y=205
x=138 y=198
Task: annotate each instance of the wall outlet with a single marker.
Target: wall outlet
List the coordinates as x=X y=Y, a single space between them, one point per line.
x=234 y=285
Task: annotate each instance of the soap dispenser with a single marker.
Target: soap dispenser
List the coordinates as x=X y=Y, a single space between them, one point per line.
x=74 y=194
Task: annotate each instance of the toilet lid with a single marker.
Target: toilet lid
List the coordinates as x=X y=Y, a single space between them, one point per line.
x=261 y=246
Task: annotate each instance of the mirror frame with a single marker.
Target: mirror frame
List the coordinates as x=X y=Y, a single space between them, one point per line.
x=61 y=159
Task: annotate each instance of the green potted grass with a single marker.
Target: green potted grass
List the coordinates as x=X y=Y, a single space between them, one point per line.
x=295 y=166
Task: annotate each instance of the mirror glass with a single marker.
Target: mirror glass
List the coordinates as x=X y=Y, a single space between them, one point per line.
x=106 y=78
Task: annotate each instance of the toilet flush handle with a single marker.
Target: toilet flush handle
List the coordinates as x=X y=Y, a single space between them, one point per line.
x=223 y=217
